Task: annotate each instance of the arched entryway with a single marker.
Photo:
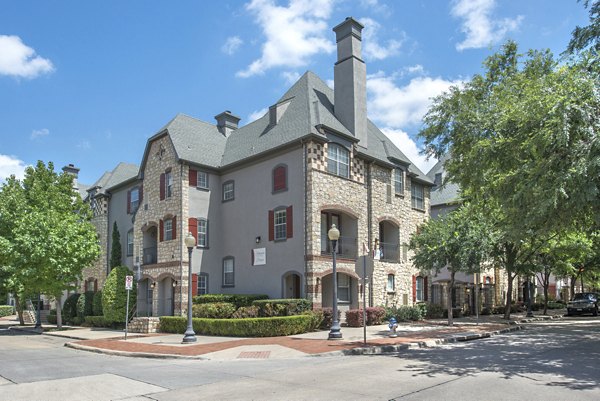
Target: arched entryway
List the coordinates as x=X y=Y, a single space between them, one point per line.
x=292 y=285
x=144 y=297
x=347 y=292
x=166 y=298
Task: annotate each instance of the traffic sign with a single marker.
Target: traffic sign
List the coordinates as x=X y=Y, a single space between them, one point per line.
x=128 y=282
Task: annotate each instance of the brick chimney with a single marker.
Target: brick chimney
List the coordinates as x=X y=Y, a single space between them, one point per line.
x=74 y=171
x=227 y=122
x=350 y=79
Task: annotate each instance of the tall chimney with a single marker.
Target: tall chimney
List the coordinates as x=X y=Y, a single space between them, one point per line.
x=227 y=122
x=74 y=171
x=350 y=79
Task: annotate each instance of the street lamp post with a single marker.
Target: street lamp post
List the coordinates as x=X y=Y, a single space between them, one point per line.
x=529 y=297
x=189 y=335
x=335 y=332
x=38 y=316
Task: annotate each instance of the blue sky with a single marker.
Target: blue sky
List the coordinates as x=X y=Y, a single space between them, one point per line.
x=88 y=82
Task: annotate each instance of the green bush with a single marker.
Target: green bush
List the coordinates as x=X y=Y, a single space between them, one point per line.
x=317 y=318
x=375 y=315
x=404 y=313
x=555 y=305
x=434 y=311
x=97 y=304
x=85 y=304
x=254 y=327
x=114 y=295
x=354 y=317
x=6 y=310
x=456 y=312
x=238 y=300
x=244 y=312
x=282 y=307
x=69 y=310
x=216 y=310
x=97 y=321
x=327 y=319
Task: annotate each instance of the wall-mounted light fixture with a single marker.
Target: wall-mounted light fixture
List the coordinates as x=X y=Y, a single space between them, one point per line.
x=174 y=283
x=258 y=239
x=153 y=284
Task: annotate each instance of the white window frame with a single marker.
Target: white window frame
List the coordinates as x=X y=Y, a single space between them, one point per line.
x=391 y=283
x=420 y=289
x=280 y=224
x=338 y=157
x=228 y=191
x=168 y=227
x=134 y=199
x=398 y=181
x=417 y=196
x=344 y=284
x=203 y=233
x=202 y=284
x=228 y=272
x=202 y=180
x=168 y=184
x=130 y=243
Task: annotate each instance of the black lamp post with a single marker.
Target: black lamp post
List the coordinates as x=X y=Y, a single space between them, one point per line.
x=38 y=316
x=189 y=335
x=529 y=297
x=335 y=332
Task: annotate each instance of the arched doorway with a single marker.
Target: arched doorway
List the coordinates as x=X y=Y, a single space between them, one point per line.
x=292 y=285
x=144 y=298
x=166 y=299
x=347 y=292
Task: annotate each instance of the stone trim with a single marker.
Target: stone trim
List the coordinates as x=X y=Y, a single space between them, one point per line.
x=328 y=258
x=391 y=219
x=339 y=208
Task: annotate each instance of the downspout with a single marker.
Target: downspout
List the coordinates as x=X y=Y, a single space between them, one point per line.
x=305 y=172
x=181 y=237
x=369 y=228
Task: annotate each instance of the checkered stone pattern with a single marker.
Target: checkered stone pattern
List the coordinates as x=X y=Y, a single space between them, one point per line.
x=316 y=156
x=358 y=169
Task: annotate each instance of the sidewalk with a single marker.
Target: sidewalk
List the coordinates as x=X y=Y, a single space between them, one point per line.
x=410 y=335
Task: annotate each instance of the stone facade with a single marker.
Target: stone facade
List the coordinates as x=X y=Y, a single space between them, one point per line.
x=96 y=274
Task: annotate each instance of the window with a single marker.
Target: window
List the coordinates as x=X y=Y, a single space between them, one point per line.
x=280 y=178
x=202 y=181
x=203 y=233
x=281 y=223
x=228 y=272
x=203 y=284
x=228 y=191
x=90 y=285
x=168 y=225
x=130 y=243
x=338 y=160
x=420 y=289
x=418 y=196
x=134 y=200
x=343 y=284
x=169 y=184
x=398 y=181
x=391 y=283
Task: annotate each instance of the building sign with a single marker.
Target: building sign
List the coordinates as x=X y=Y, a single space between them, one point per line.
x=259 y=256
x=128 y=282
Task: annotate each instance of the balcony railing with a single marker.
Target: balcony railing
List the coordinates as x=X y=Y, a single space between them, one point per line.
x=150 y=255
x=389 y=252
x=346 y=247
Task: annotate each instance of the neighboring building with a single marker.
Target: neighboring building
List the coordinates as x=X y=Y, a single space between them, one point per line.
x=259 y=199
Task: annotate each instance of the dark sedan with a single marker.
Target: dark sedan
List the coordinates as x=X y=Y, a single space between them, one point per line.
x=584 y=302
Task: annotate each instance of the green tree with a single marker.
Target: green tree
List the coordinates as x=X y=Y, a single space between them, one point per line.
x=49 y=235
x=114 y=295
x=587 y=36
x=115 y=251
x=459 y=241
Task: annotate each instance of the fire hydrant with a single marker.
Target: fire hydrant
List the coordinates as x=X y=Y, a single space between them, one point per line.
x=393 y=326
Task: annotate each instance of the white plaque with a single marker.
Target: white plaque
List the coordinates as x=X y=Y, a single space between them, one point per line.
x=259 y=256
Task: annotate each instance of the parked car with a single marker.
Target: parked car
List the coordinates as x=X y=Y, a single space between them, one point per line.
x=583 y=302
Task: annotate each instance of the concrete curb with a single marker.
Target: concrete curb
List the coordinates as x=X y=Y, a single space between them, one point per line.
x=81 y=347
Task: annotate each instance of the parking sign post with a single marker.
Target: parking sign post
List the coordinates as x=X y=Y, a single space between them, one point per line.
x=128 y=287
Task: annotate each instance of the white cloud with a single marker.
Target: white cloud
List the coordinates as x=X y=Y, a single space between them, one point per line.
x=231 y=45
x=20 y=60
x=398 y=107
x=371 y=48
x=293 y=33
x=84 y=144
x=36 y=133
x=480 y=27
x=10 y=165
x=410 y=148
x=290 y=77
x=257 y=114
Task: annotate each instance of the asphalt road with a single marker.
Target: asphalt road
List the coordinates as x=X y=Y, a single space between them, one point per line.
x=554 y=360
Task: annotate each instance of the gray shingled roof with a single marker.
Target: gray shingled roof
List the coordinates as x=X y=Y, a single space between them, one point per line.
x=310 y=105
x=119 y=175
x=448 y=192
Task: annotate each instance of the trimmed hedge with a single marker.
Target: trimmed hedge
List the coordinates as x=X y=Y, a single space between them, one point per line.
x=327 y=319
x=404 y=313
x=253 y=327
x=244 y=312
x=216 y=310
x=97 y=304
x=52 y=316
x=375 y=316
x=6 y=310
x=238 y=300
x=85 y=304
x=434 y=311
x=114 y=295
x=282 y=307
x=69 y=310
x=97 y=321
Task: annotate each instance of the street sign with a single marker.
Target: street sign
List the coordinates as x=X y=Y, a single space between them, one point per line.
x=128 y=282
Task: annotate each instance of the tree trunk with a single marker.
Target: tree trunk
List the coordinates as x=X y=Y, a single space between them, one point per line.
x=58 y=313
x=19 y=309
x=573 y=281
x=449 y=298
x=511 y=259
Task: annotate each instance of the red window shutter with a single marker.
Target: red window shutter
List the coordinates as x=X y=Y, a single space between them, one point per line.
x=161 y=228
x=425 y=289
x=193 y=227
x=271 y=225
x=193 y=178
x=279 y=178
x=141 y=193
x=414 y=283
x=174 y=227
x=129 y=202
x=162 y=186
x=194 y=284
x=289 y=222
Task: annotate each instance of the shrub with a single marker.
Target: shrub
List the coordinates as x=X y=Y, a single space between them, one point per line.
x=375 y=315
x=254 y=327
x=97 y=304
x=244 y=312
x=404 y=313
x=282 y=307
x=434 y=311
x=97 y=321
x=423 y=306
x=555 y=305
x=114 y=295
x=327 y=317
x=6 y=310
x=216 y=310
x=317 y=318
x=486 y=311
x=85 y=304
x=237 y=299
x=456 y=312
x=69 y=310
x=354 y=318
